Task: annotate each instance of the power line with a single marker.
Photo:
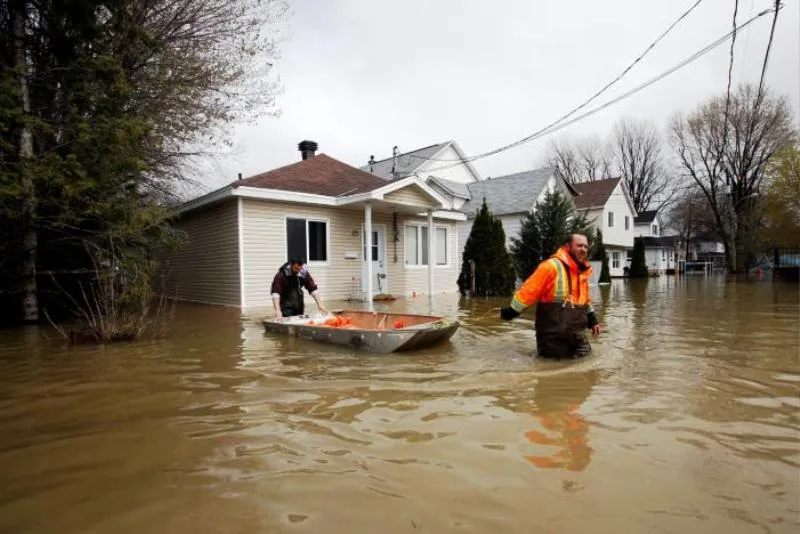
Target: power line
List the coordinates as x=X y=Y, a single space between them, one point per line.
x=549 y=130
x=604 y=88
x=777 y=8
x=730 y=72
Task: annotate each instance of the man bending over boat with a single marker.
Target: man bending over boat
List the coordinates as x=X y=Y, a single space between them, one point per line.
x=560 y=289
x=287 y=289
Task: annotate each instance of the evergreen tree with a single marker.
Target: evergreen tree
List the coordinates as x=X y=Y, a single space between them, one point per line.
x=486 y=246
x=638 y=262
x=545 y=229
x=598 y=253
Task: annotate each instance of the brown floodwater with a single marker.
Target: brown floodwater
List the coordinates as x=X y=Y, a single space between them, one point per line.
x=686 y=418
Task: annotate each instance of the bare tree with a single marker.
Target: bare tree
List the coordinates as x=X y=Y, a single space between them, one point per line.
x=689 y=218
x=585 y=160
x=638 y=160
x=726 y=154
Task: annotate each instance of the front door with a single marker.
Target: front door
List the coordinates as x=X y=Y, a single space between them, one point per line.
x=376 y=254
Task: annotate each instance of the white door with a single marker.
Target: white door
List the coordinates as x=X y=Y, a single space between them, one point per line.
x=377 y=254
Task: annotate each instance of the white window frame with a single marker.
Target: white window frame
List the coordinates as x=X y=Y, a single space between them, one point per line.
x=615 y=259
x=448 y=252
x=627 y=223
x=327 y=237
x=610 y=219
x=654 y=229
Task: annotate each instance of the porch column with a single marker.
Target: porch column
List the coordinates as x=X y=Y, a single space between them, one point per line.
x=367 y=255
x=431 y=249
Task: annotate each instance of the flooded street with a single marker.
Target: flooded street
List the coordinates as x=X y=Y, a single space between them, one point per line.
x=685 y=419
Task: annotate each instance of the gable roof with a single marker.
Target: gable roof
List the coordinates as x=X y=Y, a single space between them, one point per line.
x=409 y=163
x=457 y=189
x=406 y=163
x=513 y=193
x=645 y=217
x=594 y=194
x=319 y=175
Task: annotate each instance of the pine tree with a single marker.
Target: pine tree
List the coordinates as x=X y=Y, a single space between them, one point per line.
x=598 y=253
x=545 y=229
x=486 y=246
x=638 y=262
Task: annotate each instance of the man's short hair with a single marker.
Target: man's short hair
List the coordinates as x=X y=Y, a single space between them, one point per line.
x=296 y=261
x=571 y=237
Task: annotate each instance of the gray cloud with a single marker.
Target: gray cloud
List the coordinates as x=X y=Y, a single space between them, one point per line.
x=360 y=77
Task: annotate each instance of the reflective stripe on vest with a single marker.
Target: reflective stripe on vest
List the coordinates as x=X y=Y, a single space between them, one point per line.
x=560 y=292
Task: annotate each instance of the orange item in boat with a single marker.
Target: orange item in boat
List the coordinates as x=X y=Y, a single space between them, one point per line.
x=399 y=324
x=337 y=322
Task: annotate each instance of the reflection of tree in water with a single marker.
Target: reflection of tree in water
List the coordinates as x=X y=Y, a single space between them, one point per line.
x=558 y=399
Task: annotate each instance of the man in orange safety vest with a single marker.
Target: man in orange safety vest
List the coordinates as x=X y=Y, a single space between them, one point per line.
x=560 y=289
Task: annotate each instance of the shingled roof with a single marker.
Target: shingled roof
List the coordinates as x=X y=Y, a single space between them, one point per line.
x=645 y=217
x=319 y=175
x=594 y=194
x=406 y=163
x=513 y=193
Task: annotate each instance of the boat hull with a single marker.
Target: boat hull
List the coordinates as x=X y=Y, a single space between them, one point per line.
x=370 y=332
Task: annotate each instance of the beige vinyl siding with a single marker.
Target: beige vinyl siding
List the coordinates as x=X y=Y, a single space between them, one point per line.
x=411 y=196
x=415 y=278
x=264 y=251
x=206 y=269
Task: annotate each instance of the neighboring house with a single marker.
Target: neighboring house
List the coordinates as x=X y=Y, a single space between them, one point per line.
x=444 y=167
x=318 y=208
x=659 y=249
x=608 y=206
x=510 y=198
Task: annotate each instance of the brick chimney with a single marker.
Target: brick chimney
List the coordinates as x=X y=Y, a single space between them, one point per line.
x=307 y=149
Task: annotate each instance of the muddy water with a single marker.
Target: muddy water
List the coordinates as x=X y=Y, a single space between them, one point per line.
x=685 y=419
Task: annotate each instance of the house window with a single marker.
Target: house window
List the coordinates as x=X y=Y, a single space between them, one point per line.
x=416 y=245
x=611 y=219
x=441 y=246
x=655 y=230
x=615 y=260
x=627 y=223
x=664 y=255
x=306 y=239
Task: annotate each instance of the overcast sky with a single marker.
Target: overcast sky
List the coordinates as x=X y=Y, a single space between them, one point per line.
x=360 y=77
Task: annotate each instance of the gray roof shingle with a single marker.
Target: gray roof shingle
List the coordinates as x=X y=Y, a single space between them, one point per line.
x=645 y=217
x=513 y=193
x=455 y=188
x=407 y=162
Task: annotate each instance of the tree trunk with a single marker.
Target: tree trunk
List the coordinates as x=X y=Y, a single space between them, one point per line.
x=30 y=304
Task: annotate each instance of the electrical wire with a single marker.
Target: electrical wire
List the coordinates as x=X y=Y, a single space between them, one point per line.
x=548 y=130
x=605 y=87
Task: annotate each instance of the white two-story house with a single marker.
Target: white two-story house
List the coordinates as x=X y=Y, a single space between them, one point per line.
x=659 y=249
x=608 y=206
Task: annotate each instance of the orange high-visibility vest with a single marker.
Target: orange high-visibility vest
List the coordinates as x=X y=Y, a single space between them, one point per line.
x=552 y=281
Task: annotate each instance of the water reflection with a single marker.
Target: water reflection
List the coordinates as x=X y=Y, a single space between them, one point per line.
x=563 y=428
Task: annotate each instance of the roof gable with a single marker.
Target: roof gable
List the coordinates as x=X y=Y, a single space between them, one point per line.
x=320 y=175
x=595 y=194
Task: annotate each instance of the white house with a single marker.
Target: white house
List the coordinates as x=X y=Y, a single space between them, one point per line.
x=659 y=249
x=445 y=168
x=321 y=209
x=609 y=207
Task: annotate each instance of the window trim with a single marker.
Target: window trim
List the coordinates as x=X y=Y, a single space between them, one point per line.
x=654 y=229
x=627 y=222
x=615 y=256
x=610 y=219
x=308 y=219
x=448 y=251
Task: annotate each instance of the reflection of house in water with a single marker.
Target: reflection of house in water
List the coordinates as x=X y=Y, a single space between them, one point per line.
x=564 y=431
